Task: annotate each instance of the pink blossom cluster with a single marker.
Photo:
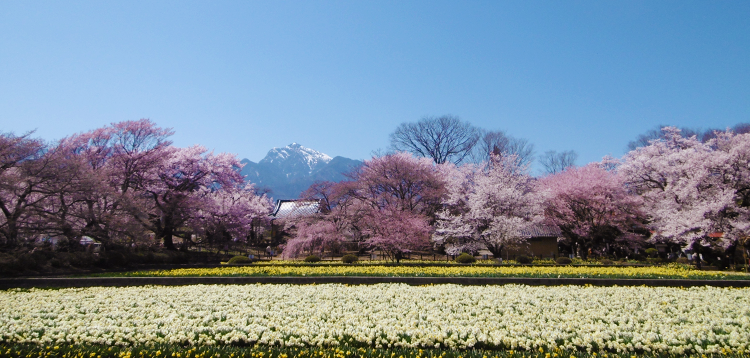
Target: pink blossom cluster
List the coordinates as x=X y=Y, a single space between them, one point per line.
x=117 y=183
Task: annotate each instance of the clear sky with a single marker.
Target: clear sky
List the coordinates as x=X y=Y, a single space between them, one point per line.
x=339 y=76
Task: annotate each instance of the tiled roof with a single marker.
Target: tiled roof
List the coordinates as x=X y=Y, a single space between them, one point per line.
x=295 y=208
x=541 y=230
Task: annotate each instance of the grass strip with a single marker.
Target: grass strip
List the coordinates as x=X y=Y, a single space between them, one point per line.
x=259 y=351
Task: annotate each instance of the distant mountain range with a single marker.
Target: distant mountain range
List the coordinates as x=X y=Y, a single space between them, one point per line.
x=290 y=170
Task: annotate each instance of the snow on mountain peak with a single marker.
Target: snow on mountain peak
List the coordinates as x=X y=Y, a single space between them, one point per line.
x=296 y=152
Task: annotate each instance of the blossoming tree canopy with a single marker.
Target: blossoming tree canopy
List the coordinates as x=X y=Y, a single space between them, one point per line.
x=593 y=209
x=489 y=205
x=388 y=202
x=692 y=189
x=181 y=183
x=231 y=212
x=118 y=182
x=18 y=182
x=401 y=193
x=112 y=163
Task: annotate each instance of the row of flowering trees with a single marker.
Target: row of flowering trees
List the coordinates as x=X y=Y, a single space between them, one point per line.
x=121 y=181
x=117 y=183
x=675 y=190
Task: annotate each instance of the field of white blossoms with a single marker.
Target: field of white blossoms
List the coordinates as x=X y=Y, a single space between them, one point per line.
x=510 y=317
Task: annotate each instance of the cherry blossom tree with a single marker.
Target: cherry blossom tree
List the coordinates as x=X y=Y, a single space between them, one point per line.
x=689 y=187
x=37 y=181
x=489 y=205
x=24 y=170
x=399 y=181
x=397 y=232
x=313 y=236
x=112 y=165
x=117 y=182
x=341 y=207
x=57 y=214
x=179 y=184
x=231 y=213
x=389 y=202
x=593 y=209
x=734 y=148
x=401 y=193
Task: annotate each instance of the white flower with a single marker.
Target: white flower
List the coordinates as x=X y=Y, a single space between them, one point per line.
x=620 y=318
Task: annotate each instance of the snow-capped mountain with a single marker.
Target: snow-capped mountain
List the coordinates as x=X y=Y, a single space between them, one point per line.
x=288 y=171
x=296 y=160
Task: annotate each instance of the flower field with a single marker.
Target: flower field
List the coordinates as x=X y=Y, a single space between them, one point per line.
x=672 y=271
x=385 y=316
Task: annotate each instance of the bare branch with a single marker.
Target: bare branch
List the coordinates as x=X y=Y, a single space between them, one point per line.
x=501 y=144
x=444 y=139
x=554 y=162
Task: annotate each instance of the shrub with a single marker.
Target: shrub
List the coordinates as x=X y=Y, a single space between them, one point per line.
x=81 y=259
x=56 y=263
x=606 y=262
x=116 y=258
x=27 y=262
x=312 y=258
x=562 y=260
x=465 y=258
x=652 y=252
x=9 y=264
x=720 y=264
x=638 y=257
x=683 y=260
x=349 y=259
x=523 y=259
x=239 y=260
x=179 y=257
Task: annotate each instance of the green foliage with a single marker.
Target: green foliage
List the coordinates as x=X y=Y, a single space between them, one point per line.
x=721 y=264
x=349 y=259
x=562 y=260
x=465 y=258
x=523 y=259
x=312 y=258
x=683 y=260
x=56 y=263
x=239 y=260
x=638 y=257
x=116 y=258
x=652 y=252
x=606 y=262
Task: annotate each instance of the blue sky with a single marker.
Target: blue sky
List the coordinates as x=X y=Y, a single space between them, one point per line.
x=339 y=76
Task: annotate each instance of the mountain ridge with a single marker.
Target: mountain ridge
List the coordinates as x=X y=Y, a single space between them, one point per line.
x=290 y=170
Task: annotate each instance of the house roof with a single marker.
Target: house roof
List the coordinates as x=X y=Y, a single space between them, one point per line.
x=286 y=209
x=540 y=230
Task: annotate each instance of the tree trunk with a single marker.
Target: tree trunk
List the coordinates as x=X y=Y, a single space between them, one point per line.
x=11 y=233
x=697 y=252
x=167 y=237
x=496 y=251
